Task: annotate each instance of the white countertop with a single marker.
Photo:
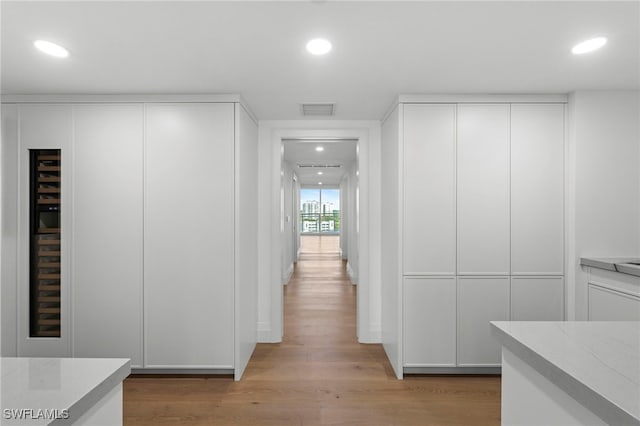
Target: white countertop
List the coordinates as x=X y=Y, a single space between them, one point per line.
x=72 y=384
x=596 y=363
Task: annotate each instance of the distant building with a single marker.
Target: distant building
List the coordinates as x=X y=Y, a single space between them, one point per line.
x=310 y=207
x=327 y=209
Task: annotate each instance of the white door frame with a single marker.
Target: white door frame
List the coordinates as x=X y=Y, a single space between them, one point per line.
x=367 y=133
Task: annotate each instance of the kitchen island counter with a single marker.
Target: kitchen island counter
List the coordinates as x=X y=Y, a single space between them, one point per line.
x=62 y=391
x=570 y=372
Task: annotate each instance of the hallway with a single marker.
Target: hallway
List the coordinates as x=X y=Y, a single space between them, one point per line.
x=318 y=375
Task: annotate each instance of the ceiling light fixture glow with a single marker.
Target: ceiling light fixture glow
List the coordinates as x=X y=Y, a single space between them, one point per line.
x=589 y=45
x=51 y=48
x=319 y=173
x=319 y=183
x=319 y=148
x=319 y=46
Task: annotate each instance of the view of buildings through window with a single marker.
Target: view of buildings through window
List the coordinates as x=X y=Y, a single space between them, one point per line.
x=319 y=211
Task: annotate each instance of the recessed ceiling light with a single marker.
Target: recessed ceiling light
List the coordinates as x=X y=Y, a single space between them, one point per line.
x=319 y=148
x=51 y=48
x=319 y=46
x=319 y=183
x=589 y=45
x=320 y=173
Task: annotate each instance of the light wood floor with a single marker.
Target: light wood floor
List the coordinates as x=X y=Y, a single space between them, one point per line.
x=318 y=375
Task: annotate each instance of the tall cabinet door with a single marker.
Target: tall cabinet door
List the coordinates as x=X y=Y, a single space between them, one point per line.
x=537 y=189
x=480 y=301
x=429 y=236
x=483 y=189
x=107 y=231
x=429 y=322
x=189 y=236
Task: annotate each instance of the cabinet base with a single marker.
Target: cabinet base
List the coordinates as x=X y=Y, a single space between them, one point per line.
x=453 y=370
x=183 y=371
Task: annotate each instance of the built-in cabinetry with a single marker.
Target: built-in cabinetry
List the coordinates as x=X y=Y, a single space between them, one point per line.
x=189 y=205
x=613 y=296
x=155 y=263
x=107 y=229
x=481 y=215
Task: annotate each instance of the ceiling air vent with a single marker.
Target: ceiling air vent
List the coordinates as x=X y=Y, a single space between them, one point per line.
x=318 y=109
x=320 y=166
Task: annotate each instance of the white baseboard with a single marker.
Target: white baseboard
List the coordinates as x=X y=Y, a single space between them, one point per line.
x=374 y=335
x=264 y=333
x=286 y=276
x=352 y=275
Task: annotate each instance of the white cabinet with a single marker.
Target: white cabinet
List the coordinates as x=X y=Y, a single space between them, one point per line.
x=429 y=322
x=483 y=189
x=480 y=300
x=482 y=201
x=158 y=242
x=429 y=235
x=107 y=231
x=609 y=305
x=9 y=231
x=537 y=189
x=189 y=236
x=537 y=299
x=44 y=126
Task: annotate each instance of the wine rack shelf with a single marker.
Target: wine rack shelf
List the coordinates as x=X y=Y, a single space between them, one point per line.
x=45 y=278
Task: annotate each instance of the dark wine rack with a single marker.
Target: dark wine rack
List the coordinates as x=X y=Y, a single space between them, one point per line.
x=45 y=282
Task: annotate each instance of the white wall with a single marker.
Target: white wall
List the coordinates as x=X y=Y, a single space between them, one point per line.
x=8 y=230
x=604 y=183
x=246 y=256
x=390 y=243
x=348 y=217
x=271 y=223
x=352 y=235
x=288 y=232
x=344 y=217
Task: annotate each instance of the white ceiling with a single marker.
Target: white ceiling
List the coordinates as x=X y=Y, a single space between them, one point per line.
x=381 y=49
x=342 y=153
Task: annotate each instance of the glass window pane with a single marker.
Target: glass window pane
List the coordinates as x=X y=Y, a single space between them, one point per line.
x=309 y=210
x=330 y=211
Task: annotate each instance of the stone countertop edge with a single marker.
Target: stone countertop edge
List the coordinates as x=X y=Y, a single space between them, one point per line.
x=84 y=404
x=607 y=410
x=614 y=264
x=607 y=264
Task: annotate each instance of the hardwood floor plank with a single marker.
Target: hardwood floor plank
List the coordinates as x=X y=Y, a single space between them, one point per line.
x=318 y=375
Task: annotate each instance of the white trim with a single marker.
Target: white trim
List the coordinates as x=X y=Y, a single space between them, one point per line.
x=105 y=98
x=399 y=242
x=483 y=98
x=453 y=370
x=286 y=275
x=480 y=98
x=375 y=333
x=151 y=98
x=570 y=213
x=237 y=373
x=353 y=277
x=272 y=133
x=187 y=368
x=264 y=333
x=182 y=370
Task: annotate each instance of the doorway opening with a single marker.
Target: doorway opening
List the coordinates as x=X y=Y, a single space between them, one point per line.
x=359 y=208
x=319 y=180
